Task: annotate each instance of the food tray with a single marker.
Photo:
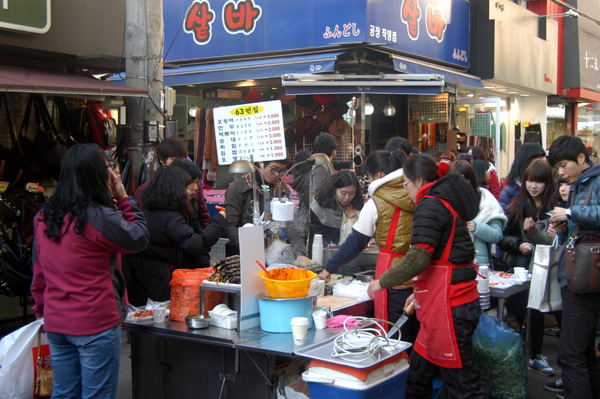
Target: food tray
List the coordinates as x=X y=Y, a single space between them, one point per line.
x=220 y=284
x=322 y=351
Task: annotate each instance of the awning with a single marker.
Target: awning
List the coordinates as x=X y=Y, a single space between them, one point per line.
x=250 y=69
x=409 y=65
x=28 y=80
x=408 y=90
x=408 y=84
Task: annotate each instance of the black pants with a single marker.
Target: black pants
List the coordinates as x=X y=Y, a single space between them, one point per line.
x=396 y=301
x=462 y=383
x=576 y=348
x=517 y=306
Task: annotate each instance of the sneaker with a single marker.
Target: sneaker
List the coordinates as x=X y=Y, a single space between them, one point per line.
x=556 y=386
x=541 y=366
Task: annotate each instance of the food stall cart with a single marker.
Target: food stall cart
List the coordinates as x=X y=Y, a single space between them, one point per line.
x=168 y=360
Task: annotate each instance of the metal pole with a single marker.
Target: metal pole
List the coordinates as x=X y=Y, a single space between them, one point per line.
x=144 y=34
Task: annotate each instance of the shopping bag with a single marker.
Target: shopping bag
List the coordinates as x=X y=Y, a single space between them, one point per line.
x=18 y=354
x=500 y=359
x=544 y=291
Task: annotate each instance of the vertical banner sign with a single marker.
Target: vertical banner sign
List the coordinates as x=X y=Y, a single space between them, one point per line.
x=248 y=130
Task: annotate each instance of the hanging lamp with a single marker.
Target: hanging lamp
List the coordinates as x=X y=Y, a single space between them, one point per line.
x=389 y=110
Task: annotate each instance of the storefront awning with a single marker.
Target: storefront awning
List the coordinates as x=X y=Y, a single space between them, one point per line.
x=415 y=84
x=250 y=69
x=407 y=90
x=409 y=65
x=28 y=80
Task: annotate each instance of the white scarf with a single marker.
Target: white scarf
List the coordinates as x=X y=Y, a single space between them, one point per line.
x=489 y=208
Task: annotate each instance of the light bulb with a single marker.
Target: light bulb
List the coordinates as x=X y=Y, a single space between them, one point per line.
x=389 y=110
x=369 y=108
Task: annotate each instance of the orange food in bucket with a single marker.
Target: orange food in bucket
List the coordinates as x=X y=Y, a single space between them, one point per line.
x=287 y=282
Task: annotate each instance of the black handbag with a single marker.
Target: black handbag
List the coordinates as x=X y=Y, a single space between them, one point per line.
x=49 y=146
x=583 y=259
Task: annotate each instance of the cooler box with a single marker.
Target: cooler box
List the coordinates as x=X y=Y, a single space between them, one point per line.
x=331 y=381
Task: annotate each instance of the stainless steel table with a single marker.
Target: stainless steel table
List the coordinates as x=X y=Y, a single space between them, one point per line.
x=503 y=293
x=168 y=360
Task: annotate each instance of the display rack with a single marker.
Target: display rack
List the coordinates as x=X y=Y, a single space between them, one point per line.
x=429 y=122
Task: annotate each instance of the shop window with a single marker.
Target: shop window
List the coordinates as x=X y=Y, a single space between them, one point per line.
x=428 y=122
x=588 y=127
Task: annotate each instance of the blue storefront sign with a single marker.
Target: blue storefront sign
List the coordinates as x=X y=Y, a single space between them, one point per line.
x=205 y=29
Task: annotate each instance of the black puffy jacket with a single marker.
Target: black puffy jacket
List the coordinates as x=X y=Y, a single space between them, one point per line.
x=432 y=222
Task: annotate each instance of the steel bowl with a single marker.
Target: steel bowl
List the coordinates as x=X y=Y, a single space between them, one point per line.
x=197 y=322
x=366 y=276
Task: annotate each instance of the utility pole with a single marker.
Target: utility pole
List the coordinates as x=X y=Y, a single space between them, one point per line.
x=144 y=36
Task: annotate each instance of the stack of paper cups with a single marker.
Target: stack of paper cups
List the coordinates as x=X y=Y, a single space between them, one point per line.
x=483 y=286
x=317 y=249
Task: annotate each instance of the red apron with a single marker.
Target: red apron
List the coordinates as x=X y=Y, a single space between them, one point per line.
x=384 y=260
x=436 y=340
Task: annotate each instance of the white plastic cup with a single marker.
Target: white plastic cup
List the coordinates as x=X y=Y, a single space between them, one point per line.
x=520 y=273
x=321 y=286
x=483 y=285
x=320 y=318
x=299 y=330
x=159 y=314
x=484 y=271
x=318 y=239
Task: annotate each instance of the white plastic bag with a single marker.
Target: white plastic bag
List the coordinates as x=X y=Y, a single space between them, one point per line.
x=544 y=291
x=16 y=361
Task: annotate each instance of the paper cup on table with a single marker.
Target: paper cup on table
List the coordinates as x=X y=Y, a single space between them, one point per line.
x=299 y=330
x=318 y=239
x=159 y=314
x=483 y=285
x=320 y=318
x=520 y=273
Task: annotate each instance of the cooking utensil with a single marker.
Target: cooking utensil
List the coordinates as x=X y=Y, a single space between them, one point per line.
x=403 y=319
x=219 y=208
x=366 y=276
x=197 y=321
x=264 y=268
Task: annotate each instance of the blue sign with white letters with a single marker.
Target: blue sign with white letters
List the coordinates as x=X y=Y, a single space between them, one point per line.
x=204 y=29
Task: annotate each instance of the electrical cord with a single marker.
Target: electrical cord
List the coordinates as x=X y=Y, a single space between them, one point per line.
x=364 y=341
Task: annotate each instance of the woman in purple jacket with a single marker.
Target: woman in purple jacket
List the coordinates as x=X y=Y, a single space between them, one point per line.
x=78 y=286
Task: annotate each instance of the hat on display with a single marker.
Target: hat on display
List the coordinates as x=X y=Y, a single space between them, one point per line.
x=324 y=117
x=306 y=126
x=337 y=109
x=323 y=99
x=339 y=127
x=289 y=118
x=252 y=96
x=303 y=100
x=286 y=99
x=312 y=109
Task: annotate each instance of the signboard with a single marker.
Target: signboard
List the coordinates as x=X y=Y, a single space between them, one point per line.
x=30 y=16
x=201 y=29
x=431 y=28
x=246 y=130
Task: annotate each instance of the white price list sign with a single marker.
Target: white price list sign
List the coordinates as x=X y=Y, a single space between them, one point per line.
x=252 y=129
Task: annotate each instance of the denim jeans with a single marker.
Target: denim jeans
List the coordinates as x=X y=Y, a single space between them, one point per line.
x=85 y=366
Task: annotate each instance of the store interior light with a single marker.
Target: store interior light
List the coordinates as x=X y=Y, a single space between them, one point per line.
x=513 y=92
x=192 y=111
x=389 y=110
x=489 y=87
x=470 y=95
x=369 y=108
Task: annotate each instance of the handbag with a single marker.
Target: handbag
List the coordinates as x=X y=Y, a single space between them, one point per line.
x=544 y=291
x=583 y=259
x=44 y=377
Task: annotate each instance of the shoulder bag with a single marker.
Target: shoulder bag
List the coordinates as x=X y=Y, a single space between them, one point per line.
x=583 y=260
x=44 y=377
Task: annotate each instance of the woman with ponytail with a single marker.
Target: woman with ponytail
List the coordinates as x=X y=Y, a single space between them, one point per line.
x=446 y=298
x=387 y=217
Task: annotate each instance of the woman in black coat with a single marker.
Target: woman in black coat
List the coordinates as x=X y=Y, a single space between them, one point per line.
x=174 y=243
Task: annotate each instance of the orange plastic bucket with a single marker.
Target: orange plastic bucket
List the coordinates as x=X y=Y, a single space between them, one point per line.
x=288 y=288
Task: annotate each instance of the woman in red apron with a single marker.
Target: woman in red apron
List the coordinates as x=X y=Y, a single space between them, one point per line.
x=445 y=290
x=387 y=217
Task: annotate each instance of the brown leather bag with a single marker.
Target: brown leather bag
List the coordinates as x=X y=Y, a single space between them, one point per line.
x=44 y=377
x=583 y=260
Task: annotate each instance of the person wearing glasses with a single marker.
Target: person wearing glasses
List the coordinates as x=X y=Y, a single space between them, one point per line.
x=387 y=217
x=239 y=204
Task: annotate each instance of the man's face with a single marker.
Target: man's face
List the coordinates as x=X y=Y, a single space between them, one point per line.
x=273 y=172
x=571 y=170
x=170 y=160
